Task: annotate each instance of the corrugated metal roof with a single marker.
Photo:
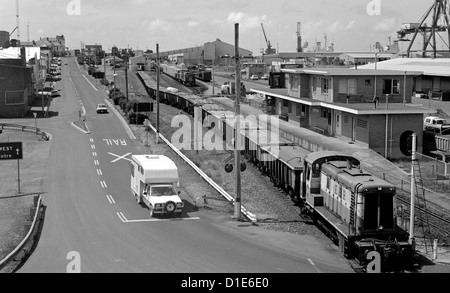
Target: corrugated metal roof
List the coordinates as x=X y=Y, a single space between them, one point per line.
x=10 y=53
x=351 y=71
x=368 y=55
x=432 y=67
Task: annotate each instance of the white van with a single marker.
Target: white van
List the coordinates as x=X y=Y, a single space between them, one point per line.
x=152 y=182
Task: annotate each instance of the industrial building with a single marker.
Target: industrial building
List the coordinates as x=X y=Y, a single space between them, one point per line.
x=433 y=80
x=211 y=53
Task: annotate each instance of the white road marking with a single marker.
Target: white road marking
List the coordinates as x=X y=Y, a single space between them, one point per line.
x=314 y=266
x=96 y=163
x=163 y=220
x=110 y=199
x=121 y=217
x=93 y=146
x=120 y=157
x=99 y=172
x=117 y=142
x=94 y=154
x=90 y=84
x=103 y=183
x=91 y=140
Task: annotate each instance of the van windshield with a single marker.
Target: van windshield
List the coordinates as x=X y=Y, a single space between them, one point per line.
x=163 y=191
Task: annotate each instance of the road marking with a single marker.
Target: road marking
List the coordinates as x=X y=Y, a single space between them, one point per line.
x=110 y=199
x=117 y=142
x=96 y=163
x=91 y=140
x=93 y=146
x=163 y=220
x=103 y=183
x=99 y=172
x=94 y=154
x=314 y=266
x=91 y=84
x=121 y=217
x=120 y=157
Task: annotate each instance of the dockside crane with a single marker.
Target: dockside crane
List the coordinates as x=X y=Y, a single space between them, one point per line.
x=438 y=13
x=269 y=49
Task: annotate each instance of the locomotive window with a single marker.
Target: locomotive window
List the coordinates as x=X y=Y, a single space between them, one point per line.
x=378 y=211
x=387 y=210
x=370 y=211
x=316 y=170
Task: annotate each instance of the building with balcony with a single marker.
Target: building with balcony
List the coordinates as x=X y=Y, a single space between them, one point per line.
x=369 y=107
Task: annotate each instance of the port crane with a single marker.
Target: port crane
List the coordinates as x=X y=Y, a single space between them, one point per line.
x=438 y=13
x=269 y=49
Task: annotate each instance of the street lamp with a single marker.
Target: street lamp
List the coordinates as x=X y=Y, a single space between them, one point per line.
x=237 y=153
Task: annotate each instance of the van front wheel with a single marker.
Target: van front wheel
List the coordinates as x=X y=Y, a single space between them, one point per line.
x=151 y=212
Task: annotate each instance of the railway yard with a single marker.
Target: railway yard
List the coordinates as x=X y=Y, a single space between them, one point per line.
x=273 y=206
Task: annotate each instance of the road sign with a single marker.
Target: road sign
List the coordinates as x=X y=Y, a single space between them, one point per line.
x=11 y=151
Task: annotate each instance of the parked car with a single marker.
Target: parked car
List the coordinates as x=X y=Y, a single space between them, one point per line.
x=102 y=108
x=265 y=76
x=254 y=77
x=48 y=91
x=434 y=121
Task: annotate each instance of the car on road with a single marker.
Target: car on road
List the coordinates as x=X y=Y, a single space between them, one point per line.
x=48 y=91
x=254 y=77
x=265 y=76
x=102 y=108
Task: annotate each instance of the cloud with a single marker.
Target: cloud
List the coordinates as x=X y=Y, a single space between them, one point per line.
x=159 y=24
x=193 y=23
x=386 y=25
x=246 y=21
x=350 y=25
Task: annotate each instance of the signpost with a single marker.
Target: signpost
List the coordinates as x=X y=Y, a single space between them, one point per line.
x=12 y=151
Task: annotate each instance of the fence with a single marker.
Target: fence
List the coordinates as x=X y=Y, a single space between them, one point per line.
x=435 y=176
x=25 y=128
x=38 y=205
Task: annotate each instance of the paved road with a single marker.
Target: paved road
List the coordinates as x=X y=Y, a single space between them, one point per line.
x=90 y=210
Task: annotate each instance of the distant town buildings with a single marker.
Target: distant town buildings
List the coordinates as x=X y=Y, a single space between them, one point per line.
x=24 y=68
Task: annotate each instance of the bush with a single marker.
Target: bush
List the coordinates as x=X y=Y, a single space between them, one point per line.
x=132 y=117
x=118 y=99
x=114 y=93
x=123 y=103
x=128 y=106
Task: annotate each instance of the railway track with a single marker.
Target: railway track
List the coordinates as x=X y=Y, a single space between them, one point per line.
x=439 y=223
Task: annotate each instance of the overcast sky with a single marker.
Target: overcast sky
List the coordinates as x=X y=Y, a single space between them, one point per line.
x=176 y=24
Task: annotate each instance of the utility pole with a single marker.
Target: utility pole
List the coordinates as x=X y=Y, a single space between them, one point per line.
x=114 y=66
x=126 y=79
x=237 y=153
x=157 y=93
x=387 y=127
x=413 y=185
x=104 y=68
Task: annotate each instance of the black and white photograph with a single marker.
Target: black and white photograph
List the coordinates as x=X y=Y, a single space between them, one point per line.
x=222 y=145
